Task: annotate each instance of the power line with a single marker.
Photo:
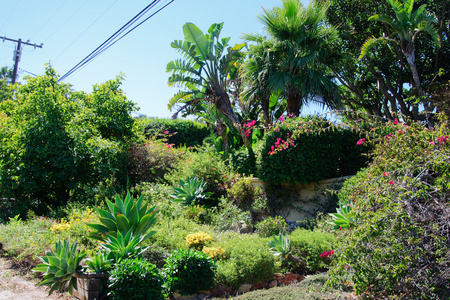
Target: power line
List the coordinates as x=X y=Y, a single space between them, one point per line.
x=48 y=20
x=118 y=35
x=87 y=28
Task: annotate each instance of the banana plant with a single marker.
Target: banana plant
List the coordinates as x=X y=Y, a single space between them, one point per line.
x=120 y=247
x=280 y=246
x=191 y=191
x=125 y=215
x=59 y=266
x=344 y=217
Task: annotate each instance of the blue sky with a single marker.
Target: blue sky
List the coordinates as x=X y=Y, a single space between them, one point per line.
x=71 y=29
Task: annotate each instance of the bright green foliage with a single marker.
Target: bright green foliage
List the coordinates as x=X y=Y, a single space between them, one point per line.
x=343 y=217
x=181 y=132
x=207 y=165
x=110 y=110
x=99 y=263
x=249 y=260
x=307 y=245
x=189 y=271
x=124 y=216
x=280 y=246
x=51 y=145
x=135 y=279
x=191 y=192
x=121 y=247
x=399 y=247
x=59 y=266
x=309 y=150
x=204 y=72
x=271 y=226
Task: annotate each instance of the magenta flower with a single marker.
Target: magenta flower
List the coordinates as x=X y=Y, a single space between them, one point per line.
x=391 y=182
x=166 y=132
x=360 y=142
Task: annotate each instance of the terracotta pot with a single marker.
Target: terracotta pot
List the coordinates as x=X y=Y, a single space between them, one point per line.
x=90 y=286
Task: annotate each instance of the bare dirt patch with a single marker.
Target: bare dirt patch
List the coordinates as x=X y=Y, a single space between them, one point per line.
x=17 y=282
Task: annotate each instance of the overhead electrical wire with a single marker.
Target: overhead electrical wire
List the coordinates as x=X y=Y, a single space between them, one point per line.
x=48 y=20
x=87 y=28
x=117 y=36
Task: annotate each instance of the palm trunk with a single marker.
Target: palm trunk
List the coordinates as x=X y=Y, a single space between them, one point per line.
x=293 y=101
x=224 y=106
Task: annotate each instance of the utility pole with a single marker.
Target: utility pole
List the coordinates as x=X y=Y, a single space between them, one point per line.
x=18 y=53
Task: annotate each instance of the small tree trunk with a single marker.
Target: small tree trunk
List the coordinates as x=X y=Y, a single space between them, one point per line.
x=296 y=260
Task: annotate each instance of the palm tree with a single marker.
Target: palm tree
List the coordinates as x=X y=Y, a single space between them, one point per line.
x=300 y=39
x=406 y=27
x=204 y=70
x=6 y=73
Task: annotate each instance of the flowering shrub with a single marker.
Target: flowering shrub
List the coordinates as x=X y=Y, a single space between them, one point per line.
x=215 y=253
x=401 y=199
x=198 y=240
x=151 y=161
x=271 y=226
x=309 y=150
x=327 y=254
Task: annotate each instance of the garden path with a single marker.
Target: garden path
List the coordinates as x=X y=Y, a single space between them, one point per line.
x=17 y=284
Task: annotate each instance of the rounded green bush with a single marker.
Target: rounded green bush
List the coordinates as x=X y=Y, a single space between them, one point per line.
x=135 y=279
x=189 y=271
x=271 y=226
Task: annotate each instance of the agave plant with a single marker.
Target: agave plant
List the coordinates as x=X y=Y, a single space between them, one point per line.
x=99 y=263
x=121 y=246
x=344 y=217
x=191 y=192
x=59 y=266
x=125 y=215
x=280 y=246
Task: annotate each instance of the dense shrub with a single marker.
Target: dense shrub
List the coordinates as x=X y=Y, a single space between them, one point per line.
x=306 y=151
x=135 y=279
x=227 y=215
x=189 y=271
x=271 y=226
x=182 y=132
x=55 y=140
x=171 y=233
x=241 y=192
x=249 y=260
x=308 y=246
x=399 y=247
x=206 y=164
x=151 y=161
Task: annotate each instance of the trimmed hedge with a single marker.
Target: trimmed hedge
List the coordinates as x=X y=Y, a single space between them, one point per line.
x=180 y=132
x=306 y=151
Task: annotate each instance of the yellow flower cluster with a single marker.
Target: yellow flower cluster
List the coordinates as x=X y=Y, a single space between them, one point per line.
x=197 y=240
x=62 y=226
x=215 y=253
x=76 y=217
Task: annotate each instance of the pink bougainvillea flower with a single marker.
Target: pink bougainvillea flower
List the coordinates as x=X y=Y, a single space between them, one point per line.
x=166 y=132
x=385 y=174
x=395 y=121
x=391 y=182
x=360 y=142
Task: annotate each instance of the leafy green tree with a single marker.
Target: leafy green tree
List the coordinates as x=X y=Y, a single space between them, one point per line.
x=377 y=84
x=204 y=71
x=406 y=26
x=300 y=43
x=50 y=144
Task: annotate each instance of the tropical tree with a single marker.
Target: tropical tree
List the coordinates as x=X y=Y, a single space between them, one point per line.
x=406 y=26
x=6 y=73
x=203 y=73
x=300 y=42
x=376 y=83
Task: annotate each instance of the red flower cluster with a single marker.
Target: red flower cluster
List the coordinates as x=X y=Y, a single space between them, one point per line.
x=442 y=139
x=249 y=125
x=360 y=142
x=327 y=253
